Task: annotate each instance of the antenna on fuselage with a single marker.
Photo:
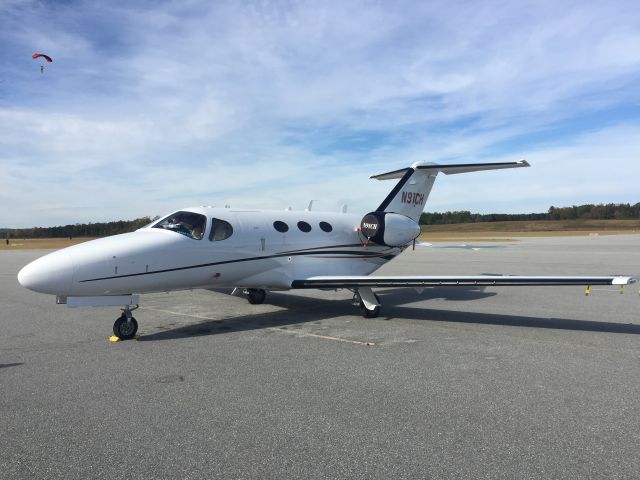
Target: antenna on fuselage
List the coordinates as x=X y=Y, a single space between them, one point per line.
x=308 y=209
x=344 y=208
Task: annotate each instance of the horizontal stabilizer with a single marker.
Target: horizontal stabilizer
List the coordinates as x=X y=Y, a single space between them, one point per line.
x=452 y=168
x=473 y=167
x=445 y=281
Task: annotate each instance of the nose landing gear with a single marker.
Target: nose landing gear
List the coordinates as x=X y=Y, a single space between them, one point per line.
x=125 y=326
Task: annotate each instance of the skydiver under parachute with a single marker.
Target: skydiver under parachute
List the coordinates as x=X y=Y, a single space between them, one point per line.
x=46 y=57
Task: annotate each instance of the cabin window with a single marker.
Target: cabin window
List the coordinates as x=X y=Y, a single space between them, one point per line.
x=325 y=227
x=304 y=226
x=280 y=226
x=189 y=224
x=220 y=230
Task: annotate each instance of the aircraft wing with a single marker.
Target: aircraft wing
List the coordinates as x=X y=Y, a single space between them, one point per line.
x=452 y=280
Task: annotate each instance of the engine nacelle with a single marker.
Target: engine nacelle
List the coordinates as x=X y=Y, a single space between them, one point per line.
x=390 y=229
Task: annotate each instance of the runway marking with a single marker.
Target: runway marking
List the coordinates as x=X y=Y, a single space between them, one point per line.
x=324 y=337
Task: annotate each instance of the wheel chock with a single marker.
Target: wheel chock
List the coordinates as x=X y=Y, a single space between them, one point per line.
x=113 y=338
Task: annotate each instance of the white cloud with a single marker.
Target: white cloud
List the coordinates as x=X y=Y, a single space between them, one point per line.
x=275 y=103
x=597 y=167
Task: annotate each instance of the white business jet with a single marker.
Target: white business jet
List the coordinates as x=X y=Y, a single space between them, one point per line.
x=255 y=251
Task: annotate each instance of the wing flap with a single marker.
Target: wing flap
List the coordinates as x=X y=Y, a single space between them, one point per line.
x=448 y=280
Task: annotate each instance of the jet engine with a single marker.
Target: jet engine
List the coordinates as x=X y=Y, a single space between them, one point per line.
x=390 y=229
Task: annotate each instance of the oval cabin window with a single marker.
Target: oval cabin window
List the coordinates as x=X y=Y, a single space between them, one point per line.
x=325 y=227
x=304 y=226
x=280 y=226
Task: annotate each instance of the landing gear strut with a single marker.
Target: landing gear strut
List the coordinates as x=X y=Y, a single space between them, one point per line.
x=125 y=326
x=367 y=301
x=255 y=295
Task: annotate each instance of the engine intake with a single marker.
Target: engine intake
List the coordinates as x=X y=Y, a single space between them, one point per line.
x=390 y=229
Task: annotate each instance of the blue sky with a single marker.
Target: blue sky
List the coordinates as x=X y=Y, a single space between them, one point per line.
x=153 y=106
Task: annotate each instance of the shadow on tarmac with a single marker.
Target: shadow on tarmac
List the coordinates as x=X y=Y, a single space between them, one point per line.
x=297 y=310
x=300 y=309
x=7 y=365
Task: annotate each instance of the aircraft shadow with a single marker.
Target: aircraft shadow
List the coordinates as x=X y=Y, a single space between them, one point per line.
x=8 y=365
x=432 y=315
x=394 y=301
x=297 y=310
x=300 y=310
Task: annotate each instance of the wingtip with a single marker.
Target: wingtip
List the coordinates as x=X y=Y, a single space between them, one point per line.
x=623 y=280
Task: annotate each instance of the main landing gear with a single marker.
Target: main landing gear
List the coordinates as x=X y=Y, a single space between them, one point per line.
x=125 y=326
x=367 y=301
x=255 y=296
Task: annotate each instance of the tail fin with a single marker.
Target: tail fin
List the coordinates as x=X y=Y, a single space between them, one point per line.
x=410 y=194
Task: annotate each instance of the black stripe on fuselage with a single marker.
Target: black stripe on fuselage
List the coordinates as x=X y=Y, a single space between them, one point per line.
x=318 y=248
x=395 y=190
x=354 y=254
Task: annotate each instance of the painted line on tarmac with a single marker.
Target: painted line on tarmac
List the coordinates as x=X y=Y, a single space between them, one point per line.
x=324 y=337
x=202 y=317
x=291 y=332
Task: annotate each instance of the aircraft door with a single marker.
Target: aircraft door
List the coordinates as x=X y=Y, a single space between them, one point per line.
x=253 y=236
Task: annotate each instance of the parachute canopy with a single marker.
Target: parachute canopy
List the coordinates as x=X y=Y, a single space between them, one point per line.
x=46 y=57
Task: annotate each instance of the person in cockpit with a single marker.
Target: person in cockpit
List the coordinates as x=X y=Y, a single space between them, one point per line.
x=185 y=223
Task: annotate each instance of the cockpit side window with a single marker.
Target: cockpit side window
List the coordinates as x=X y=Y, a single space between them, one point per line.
x=189 y=224
x=220 y=230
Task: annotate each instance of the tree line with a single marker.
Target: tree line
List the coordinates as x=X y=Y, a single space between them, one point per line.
x=610 y=211
x=80 y=229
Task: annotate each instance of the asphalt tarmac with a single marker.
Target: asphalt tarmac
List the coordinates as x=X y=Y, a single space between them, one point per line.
x=473 y=383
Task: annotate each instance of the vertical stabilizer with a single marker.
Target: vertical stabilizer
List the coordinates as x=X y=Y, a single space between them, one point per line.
x=410 y=194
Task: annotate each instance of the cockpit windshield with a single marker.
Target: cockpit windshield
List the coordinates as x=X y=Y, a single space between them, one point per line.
x=189 y=224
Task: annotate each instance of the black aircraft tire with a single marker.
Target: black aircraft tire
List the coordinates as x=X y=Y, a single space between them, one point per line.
x=366 y=313
x=125 y=330
x=256 y=296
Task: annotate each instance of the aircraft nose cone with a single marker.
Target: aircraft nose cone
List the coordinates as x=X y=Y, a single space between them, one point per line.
x=51 y=274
